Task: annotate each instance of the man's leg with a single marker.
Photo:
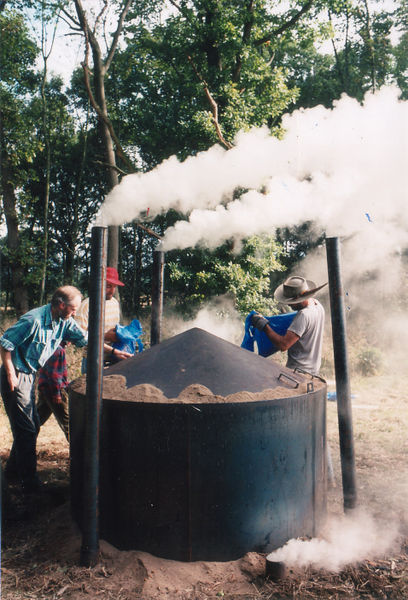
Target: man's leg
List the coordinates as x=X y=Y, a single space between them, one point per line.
x=43 y=409
x=61 y=412
x=24 y=422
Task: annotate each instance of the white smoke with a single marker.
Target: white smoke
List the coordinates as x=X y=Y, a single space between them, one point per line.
x=344 y=168
x=348 y=539
x=219 y=318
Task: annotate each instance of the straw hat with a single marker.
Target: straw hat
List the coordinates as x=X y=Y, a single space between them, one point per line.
x=296 y=289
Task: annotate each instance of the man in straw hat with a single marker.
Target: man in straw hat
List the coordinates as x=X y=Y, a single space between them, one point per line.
x=304 y=338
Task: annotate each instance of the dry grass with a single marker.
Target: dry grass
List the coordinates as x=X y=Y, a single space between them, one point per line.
x=37 y=564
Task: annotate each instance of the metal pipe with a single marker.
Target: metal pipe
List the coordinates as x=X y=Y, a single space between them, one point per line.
x=344 y=412
x=97 y=290
x=157 y=297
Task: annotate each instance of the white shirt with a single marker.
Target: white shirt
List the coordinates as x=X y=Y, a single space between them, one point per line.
x=308 y=324
x=112 y=314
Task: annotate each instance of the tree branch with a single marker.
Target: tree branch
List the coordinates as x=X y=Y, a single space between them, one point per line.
x=106 y=120
x=342 y=73
x=149 y=231
x=285 y=26
x=90 y=37
x=245 y=38
x=181 y=10
x=118 y=169
x=117 y=33
x=70 y=20
x=213 y=105
x=99 y=15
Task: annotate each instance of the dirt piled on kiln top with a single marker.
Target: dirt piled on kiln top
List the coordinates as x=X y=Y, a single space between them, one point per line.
x=114 y=388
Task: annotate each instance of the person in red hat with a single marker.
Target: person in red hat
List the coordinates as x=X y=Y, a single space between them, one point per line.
x=112 y=313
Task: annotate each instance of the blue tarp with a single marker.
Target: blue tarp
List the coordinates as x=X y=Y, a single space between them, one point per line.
x=279 y=324
x=128 y=337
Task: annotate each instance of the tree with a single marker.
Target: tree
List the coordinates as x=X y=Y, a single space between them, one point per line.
x=400 y=50
x=73 y=194
x=178 y=83
x=363 y=58
x=18 y=144
x=197 y=275
x=196 y=78
x=204 y=73
x=95 y=86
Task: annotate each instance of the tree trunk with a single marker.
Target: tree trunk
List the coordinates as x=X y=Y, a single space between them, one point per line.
x=13 y=242
x=100 y=69
x=47 y=179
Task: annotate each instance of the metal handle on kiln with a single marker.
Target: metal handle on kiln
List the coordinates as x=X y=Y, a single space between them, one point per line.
x=290 y=379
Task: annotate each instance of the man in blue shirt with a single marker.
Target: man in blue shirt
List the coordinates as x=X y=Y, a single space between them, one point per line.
x=24 y=348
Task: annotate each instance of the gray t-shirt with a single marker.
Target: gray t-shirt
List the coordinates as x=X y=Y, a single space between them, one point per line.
x=308 y=324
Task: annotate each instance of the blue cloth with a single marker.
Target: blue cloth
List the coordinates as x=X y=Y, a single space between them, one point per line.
x=36 y=336
x=128 y=337
x=332 y=396
x=279 y=323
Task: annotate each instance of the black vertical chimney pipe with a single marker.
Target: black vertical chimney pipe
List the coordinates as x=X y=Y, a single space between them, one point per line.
x=348 y=469
x=157 y=297
x=97 y=289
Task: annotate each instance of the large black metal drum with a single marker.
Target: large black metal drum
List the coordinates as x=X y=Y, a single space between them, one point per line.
x=205 y=480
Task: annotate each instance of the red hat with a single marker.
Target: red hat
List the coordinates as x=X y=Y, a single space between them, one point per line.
x=112 y=276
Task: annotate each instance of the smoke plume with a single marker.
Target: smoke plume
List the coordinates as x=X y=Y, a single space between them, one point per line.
x=343 y=168
x=348 y=539
x=221 y=319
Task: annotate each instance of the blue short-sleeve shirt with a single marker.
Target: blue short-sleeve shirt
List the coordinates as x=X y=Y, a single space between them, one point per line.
x=36 y=336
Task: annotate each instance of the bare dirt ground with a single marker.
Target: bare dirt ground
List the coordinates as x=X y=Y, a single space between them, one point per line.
x=40 y=543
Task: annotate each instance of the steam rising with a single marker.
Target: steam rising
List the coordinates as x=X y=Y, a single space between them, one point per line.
x=349 y=539
x=222 y=320
x=344 y=168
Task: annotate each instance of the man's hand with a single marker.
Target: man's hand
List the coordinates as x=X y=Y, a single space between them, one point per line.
x=259 y=321
x=9 y=368
x=12 y=379
x=119 y=354
x=114 y=352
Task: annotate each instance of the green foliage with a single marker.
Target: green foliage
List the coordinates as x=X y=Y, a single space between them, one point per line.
x=16 y=75
x=197 y=275
x=17 y=83
x=363 y=57
x=162 y=81
x=242 y=57
x=400 y=53
x=24 y=150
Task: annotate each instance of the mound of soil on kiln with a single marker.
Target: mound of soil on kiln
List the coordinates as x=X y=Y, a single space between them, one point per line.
x=114 y=388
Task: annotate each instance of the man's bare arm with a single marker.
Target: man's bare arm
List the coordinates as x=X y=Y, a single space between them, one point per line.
x=283 y=342
x=117 y=353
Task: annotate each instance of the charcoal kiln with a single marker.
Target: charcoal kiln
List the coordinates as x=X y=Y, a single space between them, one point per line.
x=212 y=477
